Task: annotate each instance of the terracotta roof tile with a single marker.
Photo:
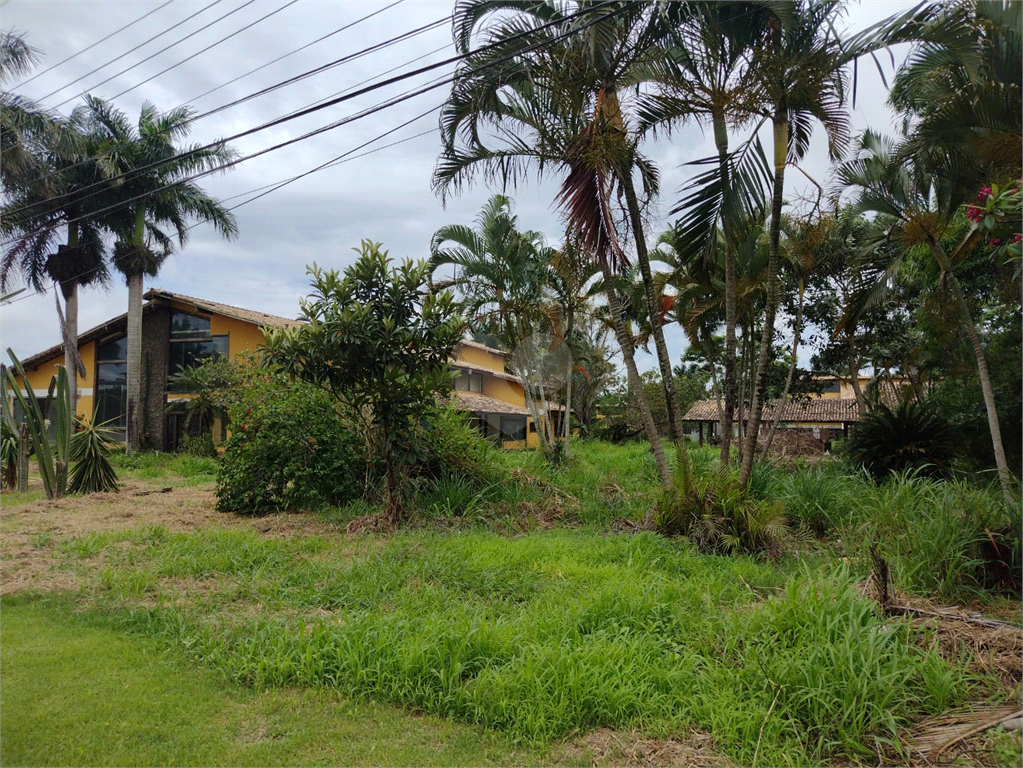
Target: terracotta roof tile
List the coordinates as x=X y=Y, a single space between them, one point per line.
x=814 y=409
x=467 y=366
x=477 y=403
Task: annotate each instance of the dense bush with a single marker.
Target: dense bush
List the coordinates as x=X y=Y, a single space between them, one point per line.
x=291 y=448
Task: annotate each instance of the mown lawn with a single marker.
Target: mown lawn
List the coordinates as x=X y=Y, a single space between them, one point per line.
x=80 y=694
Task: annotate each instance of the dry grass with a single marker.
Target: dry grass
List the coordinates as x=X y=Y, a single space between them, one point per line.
x=631 y=748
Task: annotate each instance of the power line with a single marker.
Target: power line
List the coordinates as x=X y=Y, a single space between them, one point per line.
x=89 y=48
x=166 y=48
x=344 y=121
x=341 y=159
x=292 y=53
x=337 y=62
x=350 y=95
x=208 y=47
x=131 y=50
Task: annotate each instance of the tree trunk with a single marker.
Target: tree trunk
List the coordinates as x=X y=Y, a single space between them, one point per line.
x=566 y=419
x=134 y=341
x=781 y=148
x=1004 y=476
x=69 y=290
x=854 y=377
x=728 y=417
x=635 y=382
x=654 y=308
x=797 y=328
x=23 y=457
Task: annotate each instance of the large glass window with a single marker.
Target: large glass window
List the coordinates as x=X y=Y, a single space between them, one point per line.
x=191 y=342
x=513 y=427
x=112 y=383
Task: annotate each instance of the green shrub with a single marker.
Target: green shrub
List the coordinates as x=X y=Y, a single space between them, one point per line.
x=291 y=448
x=815 y=499
x=198 y=445
x=715 y=514
x=913 y=436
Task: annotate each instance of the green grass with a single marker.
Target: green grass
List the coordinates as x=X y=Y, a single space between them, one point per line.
x=537 y=636
x=75 y=694
x=181 y=468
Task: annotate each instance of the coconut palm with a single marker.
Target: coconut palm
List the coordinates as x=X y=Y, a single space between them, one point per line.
x=152 y=182
x=553 y=100
x=920 y=206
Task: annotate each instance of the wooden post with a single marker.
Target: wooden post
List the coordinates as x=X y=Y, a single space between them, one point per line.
x=701 y=433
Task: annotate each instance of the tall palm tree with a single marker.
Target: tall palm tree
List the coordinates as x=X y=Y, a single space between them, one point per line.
x=704 y=76
x=921 y=205
x=559 y=105
x=155 y=191
x=22 y=121
x=800 y=70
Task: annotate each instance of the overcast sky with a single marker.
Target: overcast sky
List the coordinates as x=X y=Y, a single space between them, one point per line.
x=385 y=196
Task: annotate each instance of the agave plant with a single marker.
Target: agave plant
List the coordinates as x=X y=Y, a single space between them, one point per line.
x=913 y=436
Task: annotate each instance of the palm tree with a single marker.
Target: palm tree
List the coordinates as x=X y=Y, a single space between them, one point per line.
x=704 y=76
x=921 y=205
x=800 y=70
x=558 y=105
x=154 y=191
x=501 y=273
x=48 y=162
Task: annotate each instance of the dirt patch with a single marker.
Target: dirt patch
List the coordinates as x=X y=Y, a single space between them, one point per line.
x=632 y=748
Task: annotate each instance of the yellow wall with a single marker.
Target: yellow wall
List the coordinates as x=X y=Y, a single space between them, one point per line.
x=243 y=336
x=40 y=377
x=478 y=356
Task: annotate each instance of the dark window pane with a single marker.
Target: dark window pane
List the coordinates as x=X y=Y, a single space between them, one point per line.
x=513 y=427
x=184 y=325
x=112 y=394
x=475 y=382
x=185 y=354
x=115 y=349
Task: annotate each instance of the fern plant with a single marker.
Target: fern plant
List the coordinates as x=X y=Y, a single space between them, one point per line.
x=913 y=436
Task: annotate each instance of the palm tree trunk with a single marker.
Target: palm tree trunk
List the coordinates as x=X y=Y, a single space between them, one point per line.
x=781 y=147
x=69 y=290
x=798 y=327
x=1004 y=476
x=134 y=342
x=635 y=382
x=728 y=417
x=566 y=419
x=654 y=308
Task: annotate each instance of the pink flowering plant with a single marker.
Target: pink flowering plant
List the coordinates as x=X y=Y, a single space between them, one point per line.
x=997 y=210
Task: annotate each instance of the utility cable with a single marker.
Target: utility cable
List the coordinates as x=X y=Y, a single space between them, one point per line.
x=331 y=126
x=293 y=52
x=154 y=55
x=208 y=47
x=90 y=47
x=337 y=62
x=362 y=91
x=132 y=50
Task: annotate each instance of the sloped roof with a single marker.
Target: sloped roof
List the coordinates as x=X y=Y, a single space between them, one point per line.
x=484 y=347
x=155 y=298
x=815 y=409
x=215 y=307
x=464 y=365
x=477 y=403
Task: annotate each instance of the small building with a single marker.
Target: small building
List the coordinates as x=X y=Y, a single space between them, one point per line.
x=810 y=423
x=179 y=330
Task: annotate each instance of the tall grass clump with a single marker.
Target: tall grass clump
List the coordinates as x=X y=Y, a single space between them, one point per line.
x=817 y=499
x=935 y=533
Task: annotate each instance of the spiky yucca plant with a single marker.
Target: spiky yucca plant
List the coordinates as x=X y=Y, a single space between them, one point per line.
x=913 y=436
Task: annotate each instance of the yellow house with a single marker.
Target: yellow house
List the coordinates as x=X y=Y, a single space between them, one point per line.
x=179 y=330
